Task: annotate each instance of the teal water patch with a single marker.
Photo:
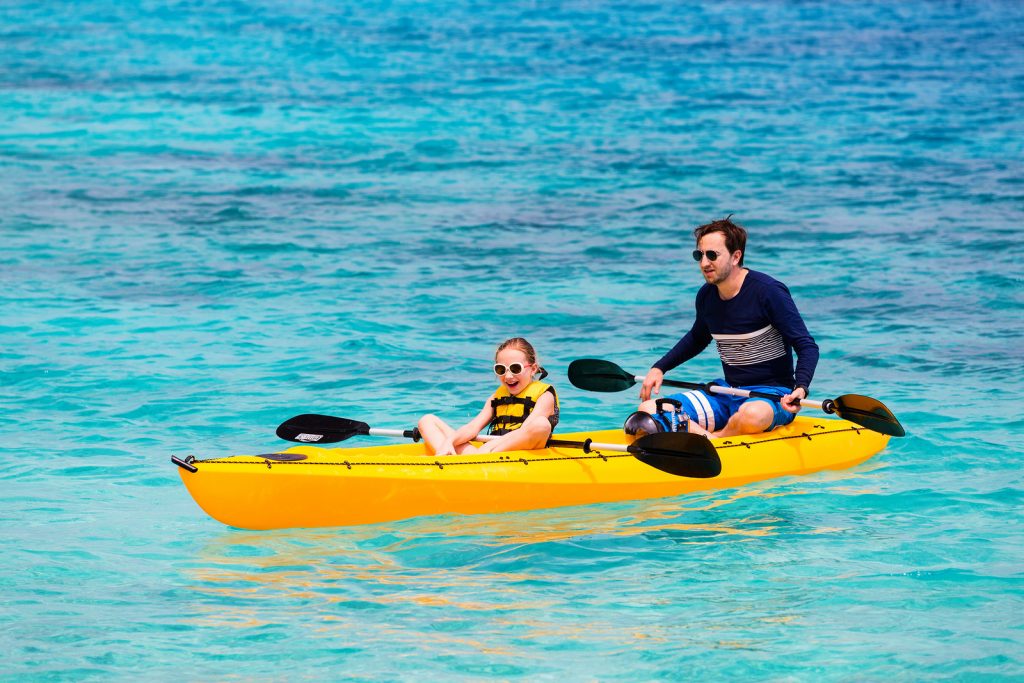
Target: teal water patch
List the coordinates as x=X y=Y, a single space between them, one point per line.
x=226 y=216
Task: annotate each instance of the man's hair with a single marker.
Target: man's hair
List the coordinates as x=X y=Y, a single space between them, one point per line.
x=735 y=235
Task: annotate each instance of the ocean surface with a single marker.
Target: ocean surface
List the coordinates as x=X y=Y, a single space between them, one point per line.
x=216 y=215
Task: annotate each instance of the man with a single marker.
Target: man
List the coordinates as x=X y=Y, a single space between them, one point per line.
x=756 y=326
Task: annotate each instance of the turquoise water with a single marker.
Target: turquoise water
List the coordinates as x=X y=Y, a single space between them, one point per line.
x=218 y=215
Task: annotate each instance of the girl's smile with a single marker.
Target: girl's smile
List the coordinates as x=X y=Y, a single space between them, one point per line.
x=505 y=360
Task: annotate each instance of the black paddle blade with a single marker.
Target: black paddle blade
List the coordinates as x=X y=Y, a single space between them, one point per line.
x=678 y=453
x=312 y=428
x=599 y=375
x=868 y=412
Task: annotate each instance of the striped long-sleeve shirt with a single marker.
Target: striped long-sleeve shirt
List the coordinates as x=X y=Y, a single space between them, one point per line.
x=756 y=332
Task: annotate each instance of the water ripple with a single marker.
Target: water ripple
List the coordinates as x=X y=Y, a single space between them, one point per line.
x=226 y=216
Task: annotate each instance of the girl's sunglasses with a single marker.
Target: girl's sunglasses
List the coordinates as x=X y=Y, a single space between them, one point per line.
x=514 y=368
x=710 y=253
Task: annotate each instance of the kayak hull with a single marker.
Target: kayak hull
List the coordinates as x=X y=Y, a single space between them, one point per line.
x=363 y=485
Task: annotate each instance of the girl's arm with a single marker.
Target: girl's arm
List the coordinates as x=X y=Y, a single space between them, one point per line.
x=471 y=429
x=532 y=434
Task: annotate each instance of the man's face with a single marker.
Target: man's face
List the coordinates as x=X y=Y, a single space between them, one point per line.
x=718 y=270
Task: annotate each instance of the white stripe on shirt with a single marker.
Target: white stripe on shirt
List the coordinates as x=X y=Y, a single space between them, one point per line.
x=760 y=346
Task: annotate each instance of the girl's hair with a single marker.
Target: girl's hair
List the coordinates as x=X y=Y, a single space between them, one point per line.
x=526 y=347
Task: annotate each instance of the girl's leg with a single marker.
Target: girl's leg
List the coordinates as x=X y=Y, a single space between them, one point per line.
x=435 y=432
x=537 y=433
x=534 y=434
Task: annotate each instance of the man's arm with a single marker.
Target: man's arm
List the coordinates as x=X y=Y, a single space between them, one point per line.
x=695 y=341
x=692 y=343
x=788 y=321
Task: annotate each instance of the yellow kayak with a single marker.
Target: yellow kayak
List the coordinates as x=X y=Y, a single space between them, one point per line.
x=313 y=486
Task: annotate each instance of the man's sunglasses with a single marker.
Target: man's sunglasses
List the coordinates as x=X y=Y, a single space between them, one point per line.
x=710 y=253
x=514 y=368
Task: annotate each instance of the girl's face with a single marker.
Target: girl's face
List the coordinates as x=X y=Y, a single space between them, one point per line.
x=508 y=360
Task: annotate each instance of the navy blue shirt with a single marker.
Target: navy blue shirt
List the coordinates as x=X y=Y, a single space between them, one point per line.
x=756 y=332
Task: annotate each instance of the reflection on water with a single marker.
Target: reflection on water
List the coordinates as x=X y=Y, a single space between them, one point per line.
x=487 y=567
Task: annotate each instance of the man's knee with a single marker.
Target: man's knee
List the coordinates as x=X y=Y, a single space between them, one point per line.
x=755 y=415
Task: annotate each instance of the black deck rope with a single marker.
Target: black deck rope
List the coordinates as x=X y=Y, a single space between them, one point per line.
x=597 y=455
x=504 y=459
x=787 y=438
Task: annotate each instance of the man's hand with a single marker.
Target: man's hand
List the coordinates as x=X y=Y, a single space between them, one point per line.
x=652 y=383
x=788 y=400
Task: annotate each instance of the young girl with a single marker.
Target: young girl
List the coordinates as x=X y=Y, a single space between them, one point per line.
x=522 y=412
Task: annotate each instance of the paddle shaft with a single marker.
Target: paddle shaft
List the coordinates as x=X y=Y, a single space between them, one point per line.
x=677 y=453
x=715 y=389
x=587 y=445
x=594 y=374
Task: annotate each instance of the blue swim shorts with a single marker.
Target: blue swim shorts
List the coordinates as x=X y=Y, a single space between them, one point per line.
x=712 y=411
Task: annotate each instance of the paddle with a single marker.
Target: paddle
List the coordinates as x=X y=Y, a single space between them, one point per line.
x=681 y=454
x=601 y=375
x=312 y=428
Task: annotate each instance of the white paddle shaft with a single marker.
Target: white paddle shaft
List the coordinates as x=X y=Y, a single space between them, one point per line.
x=715 y=389
x=593 y=445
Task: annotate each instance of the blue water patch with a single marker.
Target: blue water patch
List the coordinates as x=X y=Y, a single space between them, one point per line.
x=221 y=215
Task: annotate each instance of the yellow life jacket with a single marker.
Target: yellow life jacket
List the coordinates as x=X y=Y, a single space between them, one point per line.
x=510 y=412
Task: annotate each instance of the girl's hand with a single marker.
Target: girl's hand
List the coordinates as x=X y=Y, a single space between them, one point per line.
x=486 y=447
